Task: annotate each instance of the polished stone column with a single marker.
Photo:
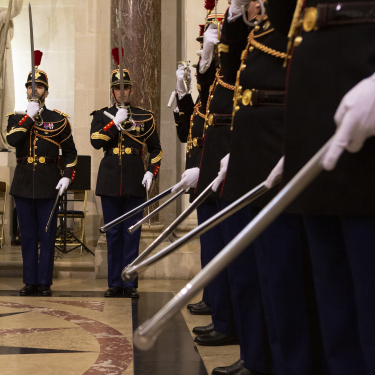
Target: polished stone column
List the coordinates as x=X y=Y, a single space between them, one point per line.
x=141 y=40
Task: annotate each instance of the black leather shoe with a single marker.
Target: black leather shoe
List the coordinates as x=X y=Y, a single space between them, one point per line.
x=113 y=291
x=191 y=305
x=203 y=330
x=29 y=290
x=130 y=292
x=216 y=339
x=201 y=308
x=229 y=370
x=45 y=290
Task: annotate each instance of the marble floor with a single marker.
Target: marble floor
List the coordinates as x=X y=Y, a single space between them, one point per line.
x=77 y=331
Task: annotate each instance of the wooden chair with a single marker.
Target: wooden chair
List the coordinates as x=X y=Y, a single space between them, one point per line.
x=3 y=197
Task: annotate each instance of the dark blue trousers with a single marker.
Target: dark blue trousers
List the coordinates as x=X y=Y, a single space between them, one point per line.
x=203 y=214
x=343 y=259
x=288 y=297
x=218 y=290
x=246 y=297
x=123 y=247
x=33 y=215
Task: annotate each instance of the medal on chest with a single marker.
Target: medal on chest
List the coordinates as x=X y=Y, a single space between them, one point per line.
x=48 y=126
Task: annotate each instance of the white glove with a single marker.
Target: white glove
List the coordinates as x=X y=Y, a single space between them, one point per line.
x=121 y=116
x=181 y=87
x=32 y=109
x=63 y=185
x=209 y=41
x=355 y=121
x=189 y=179
x=147 y=180
x=222 y=173
x=278 y=171
x=235 y=9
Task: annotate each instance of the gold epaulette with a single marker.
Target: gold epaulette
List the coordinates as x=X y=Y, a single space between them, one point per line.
x=61 y=113
x=96 y=110
x=10 y=114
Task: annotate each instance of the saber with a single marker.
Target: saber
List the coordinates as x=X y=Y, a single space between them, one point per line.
x=262 y=13
x=53 y=211
x=132 y=272
x=146 y=334
x=148 y=210
x=121 y=67
x=207 y=192
x=32 y=55
x=153 y=213
x=140 y=208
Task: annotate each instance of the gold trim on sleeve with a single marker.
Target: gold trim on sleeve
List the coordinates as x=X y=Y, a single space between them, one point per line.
x=72 y=164
x=97 y=135
x=157 y=158
x=17 y=130
x=223 y=48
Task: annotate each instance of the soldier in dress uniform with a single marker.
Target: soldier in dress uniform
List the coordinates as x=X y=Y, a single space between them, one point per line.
x=122 y=180
x=189 y=118
x=331 y=91
x=223 y=331
x=37 y=136
x=281 y=252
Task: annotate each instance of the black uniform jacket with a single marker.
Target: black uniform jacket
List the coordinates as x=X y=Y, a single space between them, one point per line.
x=190 y=120
x=37 y=150
x=258 y=129
x=324 y=67
x=217 y=138
x=121 y=172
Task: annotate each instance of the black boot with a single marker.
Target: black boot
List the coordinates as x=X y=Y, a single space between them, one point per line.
x=201 y=308
x=203 y=330
x=216 y=339
x=113 y=291
x=229 y=370
x=130 y=292
x=29 y=290
x=45 y=290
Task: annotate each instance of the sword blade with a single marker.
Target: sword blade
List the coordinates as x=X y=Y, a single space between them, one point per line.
x=121 y=67
x=53 y=210
x=148 y=209
x=32 y=53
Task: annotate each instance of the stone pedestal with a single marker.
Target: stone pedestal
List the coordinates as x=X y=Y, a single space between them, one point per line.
x=183 y=263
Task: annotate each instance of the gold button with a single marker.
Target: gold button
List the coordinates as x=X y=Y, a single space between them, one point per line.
x=115 y=151
x=246 y=97
x=30 y=160
x=243 y=66
x=237 y=108
x=35 y=146
x=267 y=25
x=210 y=119
x=128 y=150
x=310 y=18
x=195 y=142
x=35 y=163
x=42 y=159
x=298 y=41
x=256 y=28
x=251 y=49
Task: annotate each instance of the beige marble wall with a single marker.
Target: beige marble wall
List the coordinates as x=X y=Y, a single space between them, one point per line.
x=91 y=90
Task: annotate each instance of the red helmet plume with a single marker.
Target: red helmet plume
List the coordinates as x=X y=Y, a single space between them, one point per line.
x=116 y=56
x=209 y=4
x=38 y=57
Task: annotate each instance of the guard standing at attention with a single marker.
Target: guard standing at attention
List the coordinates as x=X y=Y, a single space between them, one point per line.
x=189 y=118
x=331 y=93
x=122 y=180
x=37 y=136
